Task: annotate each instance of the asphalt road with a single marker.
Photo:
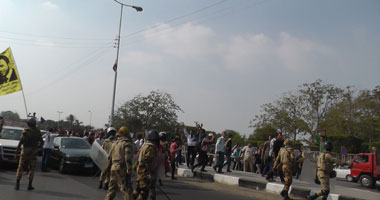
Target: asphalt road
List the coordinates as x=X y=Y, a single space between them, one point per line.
x=55 y=186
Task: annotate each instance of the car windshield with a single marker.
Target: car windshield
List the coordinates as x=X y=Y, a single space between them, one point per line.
x=75 y=143
x=10 y=134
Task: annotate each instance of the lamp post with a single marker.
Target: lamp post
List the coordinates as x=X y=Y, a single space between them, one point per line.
x=90 y=117
x=59 y=117
x=138 y=9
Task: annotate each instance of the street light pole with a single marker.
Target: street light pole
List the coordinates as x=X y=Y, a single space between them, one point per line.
x=90 y=117
x=59 y=117
x=138 y=9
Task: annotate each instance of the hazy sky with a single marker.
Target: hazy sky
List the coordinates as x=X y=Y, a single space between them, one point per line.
x=220 y=59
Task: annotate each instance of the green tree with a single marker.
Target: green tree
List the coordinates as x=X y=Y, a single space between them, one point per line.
x=10 y=116
x=71 y=119
x=157 y=111
x=237 y=138
x=263 y=133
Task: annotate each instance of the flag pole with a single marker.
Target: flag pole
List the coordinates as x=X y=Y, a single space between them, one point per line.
x=22 y=88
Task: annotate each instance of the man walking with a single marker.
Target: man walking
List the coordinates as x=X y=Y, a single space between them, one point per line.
x=219 y=153
x=248 y=152
x=325 y=164
x=228 y=152
x=107 y=144
x=285 y=162
x=203 y=158
x=121 y=164
x=31 y=140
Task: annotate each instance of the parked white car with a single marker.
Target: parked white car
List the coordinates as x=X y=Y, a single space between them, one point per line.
x=9 y=139
x=343 y=172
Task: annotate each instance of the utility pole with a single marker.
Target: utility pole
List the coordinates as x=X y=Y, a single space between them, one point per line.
x=90 y=117
x=59 y=117
x=138 y=9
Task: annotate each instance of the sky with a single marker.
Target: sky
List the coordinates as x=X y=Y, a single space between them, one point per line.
x=219 y=59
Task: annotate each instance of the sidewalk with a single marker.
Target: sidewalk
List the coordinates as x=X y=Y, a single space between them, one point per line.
x=257 y=182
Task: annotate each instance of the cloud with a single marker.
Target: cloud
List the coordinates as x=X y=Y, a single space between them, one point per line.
x=49 y=5
x=260 y=51
x=188 y=40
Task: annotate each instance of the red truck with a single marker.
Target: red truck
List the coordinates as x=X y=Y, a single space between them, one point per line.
x=366 y=168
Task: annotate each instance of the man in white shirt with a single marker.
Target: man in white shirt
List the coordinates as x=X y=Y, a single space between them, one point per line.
x=192 y=142
x=219 y=153
x=48 y=146
x=248 y=152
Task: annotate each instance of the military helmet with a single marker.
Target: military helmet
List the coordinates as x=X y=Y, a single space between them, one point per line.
x=123 y=131
x=162 y=136
x=32 y=122
x=111 y=129
x=287 y=142
x=153 y=136
x=111 y=132
x=328 y=146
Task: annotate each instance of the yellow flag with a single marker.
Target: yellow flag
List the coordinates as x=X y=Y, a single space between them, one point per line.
x=9 y=78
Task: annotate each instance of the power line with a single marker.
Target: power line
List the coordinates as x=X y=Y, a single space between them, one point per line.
x=176 y=18
x=53 y=37
x=59 y=79
x=53 y=45
x=56 y=42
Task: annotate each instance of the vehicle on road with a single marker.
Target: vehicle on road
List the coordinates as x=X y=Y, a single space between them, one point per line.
x=343 y=172
x=366 y=169
x=71 y=154
x=9 y=139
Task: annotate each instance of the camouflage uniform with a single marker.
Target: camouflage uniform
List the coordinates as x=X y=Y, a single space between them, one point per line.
x=120 y=161
x=145 y=167
x=285 y=162
x=107 y=145
x=31 y=139
x=325 y=167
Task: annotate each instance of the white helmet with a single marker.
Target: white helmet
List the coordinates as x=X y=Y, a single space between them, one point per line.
x=111 y=129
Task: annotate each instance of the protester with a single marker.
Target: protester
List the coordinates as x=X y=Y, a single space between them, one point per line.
x=203 y=158
x=266 y=156
x=174 y=148
x=161 y=154
x=192 y=142
x=237 y=159
x=48 y=146
x=228 y=152
x=219 y=153
x=248 y=153
x=257 y=161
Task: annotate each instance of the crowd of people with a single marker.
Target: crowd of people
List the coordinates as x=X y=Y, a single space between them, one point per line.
x=152 y=155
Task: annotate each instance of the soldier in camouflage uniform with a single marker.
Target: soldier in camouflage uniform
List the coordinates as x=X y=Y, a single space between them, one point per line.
x=107 y=144
x=121 y=165
x=145 y=167
x=31 y=140
x=325 y=164
x=285 y=162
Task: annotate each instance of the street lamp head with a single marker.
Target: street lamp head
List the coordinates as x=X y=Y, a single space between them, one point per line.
x=138 y=9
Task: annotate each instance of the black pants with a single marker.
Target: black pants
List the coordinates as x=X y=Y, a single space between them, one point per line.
x=191 y=151
x=172 y=164
x=202 y=160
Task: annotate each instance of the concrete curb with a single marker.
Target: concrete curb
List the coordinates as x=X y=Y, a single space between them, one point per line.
x=255 y=184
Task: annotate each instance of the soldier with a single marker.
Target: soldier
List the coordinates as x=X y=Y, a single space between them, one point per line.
x=285 y=162
x=107 y=144
x=31 y=139
x=146 y=166
x=325 y=168
x=121 y=165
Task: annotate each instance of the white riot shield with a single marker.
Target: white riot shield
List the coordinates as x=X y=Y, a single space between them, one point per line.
x=99 y=156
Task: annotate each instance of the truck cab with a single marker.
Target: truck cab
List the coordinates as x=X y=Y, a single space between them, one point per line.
x=366 y=168
x=9 y=139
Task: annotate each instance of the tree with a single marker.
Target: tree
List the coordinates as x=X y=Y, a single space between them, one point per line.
x=154 y=111
x=71 y=118
x=10 y=116
x=237 y=138
x=318 y=99
x=263 y=133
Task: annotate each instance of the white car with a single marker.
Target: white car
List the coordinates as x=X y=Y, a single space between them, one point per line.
x=343 y=172
x=9 y=139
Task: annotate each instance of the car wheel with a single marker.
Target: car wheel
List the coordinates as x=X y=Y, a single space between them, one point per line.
x=349 y=178
x=62 y=167
x=366 y=181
